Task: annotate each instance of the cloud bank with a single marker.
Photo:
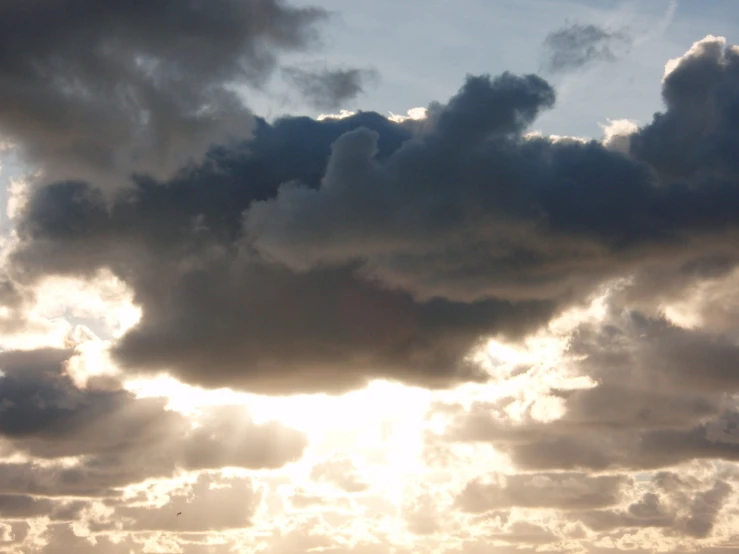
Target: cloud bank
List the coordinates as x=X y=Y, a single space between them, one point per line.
x=321 y=254
x=316 y=256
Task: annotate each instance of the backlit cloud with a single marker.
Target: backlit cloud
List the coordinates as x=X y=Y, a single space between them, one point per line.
x=359 y=334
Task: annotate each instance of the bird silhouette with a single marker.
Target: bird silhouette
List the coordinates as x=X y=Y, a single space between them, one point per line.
x=179 y=513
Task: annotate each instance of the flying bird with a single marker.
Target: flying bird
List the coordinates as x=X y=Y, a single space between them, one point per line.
x=179 y=513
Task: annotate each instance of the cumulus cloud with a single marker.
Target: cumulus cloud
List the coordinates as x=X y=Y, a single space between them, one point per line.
x=693 y=139
x=341 y=472
x=365 y=330
x=325 y=253
x=578 y=45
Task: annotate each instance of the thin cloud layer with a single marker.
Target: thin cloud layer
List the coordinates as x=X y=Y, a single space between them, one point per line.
x=577 y=45
x=556 y=490
x=328 y=89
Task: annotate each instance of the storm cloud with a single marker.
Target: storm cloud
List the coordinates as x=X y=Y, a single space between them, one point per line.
x=322 y=254
x=101 y=89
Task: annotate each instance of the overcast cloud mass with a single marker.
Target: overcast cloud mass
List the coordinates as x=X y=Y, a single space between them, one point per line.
x=358 y=333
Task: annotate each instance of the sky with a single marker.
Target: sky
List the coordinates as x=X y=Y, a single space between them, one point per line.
x=439 y=277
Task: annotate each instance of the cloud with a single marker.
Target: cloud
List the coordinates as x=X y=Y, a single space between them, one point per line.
x=694 y=138
x=328 y=89
x=209 y=504
x=116 y=438
x=88 y=450
x=542 y=228
x=136 y=87
x=365 y=328
x=61 y=538
x=523 y=532
x=341 y=472
x=704 y=509
x=439 y=232
x=319 y=255
x=422 y=514
x=577 y=45
x=567 y=491
x=660 y=398
x=23 y=507
x=617 y=134
x=693 y=515
x=648 y=511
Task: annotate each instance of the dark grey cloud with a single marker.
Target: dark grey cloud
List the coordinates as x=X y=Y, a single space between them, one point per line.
x=117 y=438
x=394 y=336
x=283 y=332
x=99 y=89
x=695 y=138
x=578 y=45
x=703 y=291
x=513 y=218
x=344 y=327
x=661 y=359
x=320 y=255
x=328 y=89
